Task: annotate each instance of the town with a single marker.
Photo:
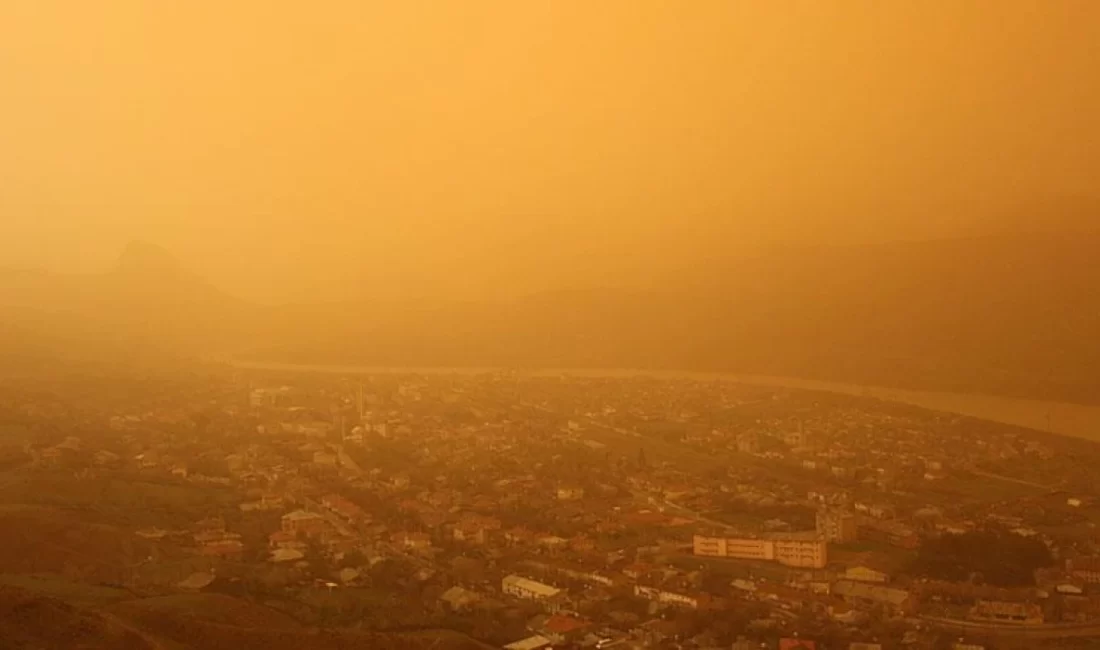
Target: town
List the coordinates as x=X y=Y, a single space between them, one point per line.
x=543 y=510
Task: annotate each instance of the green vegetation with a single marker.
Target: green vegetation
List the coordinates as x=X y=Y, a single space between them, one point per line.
x=124 y=500
x=71 y=591
x=995 y=557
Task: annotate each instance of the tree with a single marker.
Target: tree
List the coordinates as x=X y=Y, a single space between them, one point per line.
x=1000 y=558
x=354 y=559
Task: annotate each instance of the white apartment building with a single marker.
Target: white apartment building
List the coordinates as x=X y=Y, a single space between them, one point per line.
x=521 y=587
x=796 y=551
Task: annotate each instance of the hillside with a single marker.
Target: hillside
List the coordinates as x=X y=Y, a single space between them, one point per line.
x=29 y=619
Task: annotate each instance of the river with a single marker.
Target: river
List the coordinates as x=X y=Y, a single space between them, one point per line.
x=1065 y=418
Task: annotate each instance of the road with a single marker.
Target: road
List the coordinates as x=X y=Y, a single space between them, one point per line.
x=1046 y=631
x=1009 y=479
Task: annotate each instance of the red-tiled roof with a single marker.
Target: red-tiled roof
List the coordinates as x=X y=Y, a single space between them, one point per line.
x=560 y=624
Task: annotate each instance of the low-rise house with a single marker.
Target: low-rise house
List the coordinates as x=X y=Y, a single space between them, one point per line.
x=271 y=501
x=210 y=524
x=559 y=628
x=656 y=631
x=664 y=597
x=536 y=642
x=210 y=536
x=638 y=570
x=1004 y=612
x=570 y=493
x=846 y=614
x=302 y=521
x=415 y=541
x=284 y=539
x=552 y=541
x=459 y=599
x=1086 y=569
x=281 y=555
x=344 y=509
x=865 y=574
x=867 y=595
x=519 y=536
x=225 y=549
x=474 y=529
x=515 y=585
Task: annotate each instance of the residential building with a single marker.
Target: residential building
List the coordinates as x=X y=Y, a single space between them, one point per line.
x=570 y=493
x=1086 y=569
x=837 y=526
x=667 y=597
x=283 y=539
x=789 y=550
x=224 y=548
x=459 y=599
x=745 y=549
x=865 y=574
x=521 y=587
x=474 y=529
x=1002 y=612
x=414 y=541
x=867 y=595
x=559 y=628
x=302 y=521
x=890 y=532
x=806 y=553
x=345 y=509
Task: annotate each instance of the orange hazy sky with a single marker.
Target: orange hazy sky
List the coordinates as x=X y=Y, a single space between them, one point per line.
x=291 y=150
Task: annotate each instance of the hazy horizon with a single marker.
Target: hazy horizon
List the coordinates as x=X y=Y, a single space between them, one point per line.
x=490 y=149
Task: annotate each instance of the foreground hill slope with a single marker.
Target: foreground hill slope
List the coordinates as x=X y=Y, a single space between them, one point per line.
x=29 y=619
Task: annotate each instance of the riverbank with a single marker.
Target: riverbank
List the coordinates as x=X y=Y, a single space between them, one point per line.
x=1076 y=420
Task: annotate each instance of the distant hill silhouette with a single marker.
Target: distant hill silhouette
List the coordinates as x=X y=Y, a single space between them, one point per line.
x=1010 y=314
x=146 y=305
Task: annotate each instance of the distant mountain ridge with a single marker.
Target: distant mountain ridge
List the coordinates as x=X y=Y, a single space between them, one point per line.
x=1011 y=315
x=147 y=304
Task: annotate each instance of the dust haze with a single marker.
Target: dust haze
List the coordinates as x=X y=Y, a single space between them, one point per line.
x=475 y=150
x=550 y=325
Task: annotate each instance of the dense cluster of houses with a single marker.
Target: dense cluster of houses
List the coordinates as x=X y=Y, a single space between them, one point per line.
x=563 y=494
